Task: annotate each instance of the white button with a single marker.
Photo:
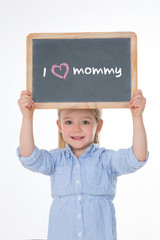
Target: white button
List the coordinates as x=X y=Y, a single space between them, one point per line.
x=77 y=166
x=79 y=197
x=79 y=234
x=79 y=216
x=77 y=181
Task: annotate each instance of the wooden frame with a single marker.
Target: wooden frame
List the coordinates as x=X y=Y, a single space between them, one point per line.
x=83 y=105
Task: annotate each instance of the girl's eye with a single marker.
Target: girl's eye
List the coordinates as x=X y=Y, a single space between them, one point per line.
x=85 y=122
x=68 y=122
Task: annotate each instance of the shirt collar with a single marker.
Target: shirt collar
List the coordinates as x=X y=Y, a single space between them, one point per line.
x=90 y=150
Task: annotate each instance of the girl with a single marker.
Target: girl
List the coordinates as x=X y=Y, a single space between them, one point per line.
x=83 y=175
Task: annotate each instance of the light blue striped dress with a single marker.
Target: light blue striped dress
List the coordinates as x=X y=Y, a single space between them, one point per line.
x=82 y=189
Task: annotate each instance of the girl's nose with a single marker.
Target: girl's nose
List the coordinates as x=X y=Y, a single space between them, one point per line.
x=77 y=128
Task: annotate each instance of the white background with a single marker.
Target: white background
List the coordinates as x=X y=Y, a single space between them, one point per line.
x=25 y=196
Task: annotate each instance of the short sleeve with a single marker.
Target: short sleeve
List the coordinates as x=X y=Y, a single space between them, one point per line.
x=122 y=162
x=41 y=161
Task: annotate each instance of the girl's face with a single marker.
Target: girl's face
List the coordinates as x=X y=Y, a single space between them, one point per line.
x=78 y=128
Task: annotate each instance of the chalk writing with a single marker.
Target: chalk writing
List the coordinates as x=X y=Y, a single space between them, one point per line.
x=44 y=72
x=92 y=70
x=57 y=71
x=53 y=69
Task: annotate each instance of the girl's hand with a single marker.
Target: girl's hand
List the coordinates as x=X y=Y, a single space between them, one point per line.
x=26 y=104
x=137 y=104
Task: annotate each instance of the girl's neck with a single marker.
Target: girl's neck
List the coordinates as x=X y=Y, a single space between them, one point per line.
x=79 y=152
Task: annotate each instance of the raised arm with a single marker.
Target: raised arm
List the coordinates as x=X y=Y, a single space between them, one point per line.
x=26 y=134
x=137 y=105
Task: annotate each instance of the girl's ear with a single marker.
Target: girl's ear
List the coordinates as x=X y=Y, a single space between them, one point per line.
x=59 y=126
x=99 y=126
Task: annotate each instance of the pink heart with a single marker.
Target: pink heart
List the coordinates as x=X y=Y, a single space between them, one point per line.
x=56 y=66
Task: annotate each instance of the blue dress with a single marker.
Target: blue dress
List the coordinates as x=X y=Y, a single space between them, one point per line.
x=82 y=189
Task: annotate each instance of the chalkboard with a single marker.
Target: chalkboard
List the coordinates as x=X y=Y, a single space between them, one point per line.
x=82 y=70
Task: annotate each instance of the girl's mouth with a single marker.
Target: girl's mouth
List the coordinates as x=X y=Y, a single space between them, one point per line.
x=77 y=138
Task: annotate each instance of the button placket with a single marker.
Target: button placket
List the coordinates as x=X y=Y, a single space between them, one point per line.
x=77 y=176
x=79 y=221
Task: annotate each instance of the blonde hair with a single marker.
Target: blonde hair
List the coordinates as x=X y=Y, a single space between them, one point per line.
x=98 y=116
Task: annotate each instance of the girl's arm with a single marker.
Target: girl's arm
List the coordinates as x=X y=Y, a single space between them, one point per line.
x=137 y=105
x=26 y=134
